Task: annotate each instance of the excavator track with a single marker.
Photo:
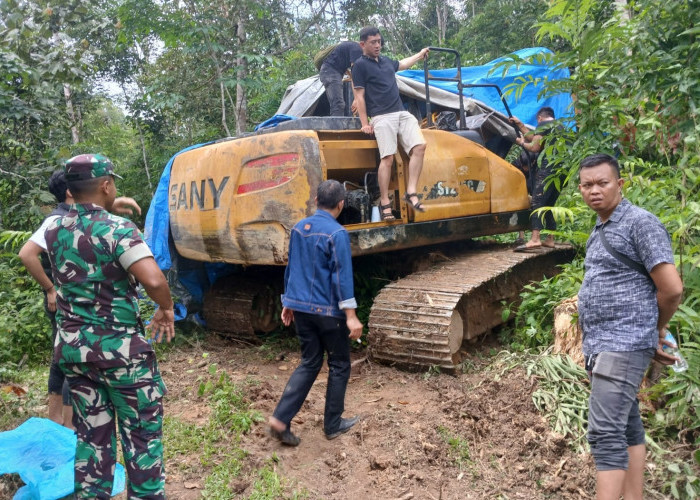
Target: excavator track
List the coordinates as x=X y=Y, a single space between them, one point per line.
x=425 y=319
x=239 y=307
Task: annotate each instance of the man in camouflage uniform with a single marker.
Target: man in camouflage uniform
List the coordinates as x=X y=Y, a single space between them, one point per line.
x=101 y=344
x=34 y=257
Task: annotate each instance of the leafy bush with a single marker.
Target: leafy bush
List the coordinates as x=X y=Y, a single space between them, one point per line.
x=25 y=331
x=535 y=316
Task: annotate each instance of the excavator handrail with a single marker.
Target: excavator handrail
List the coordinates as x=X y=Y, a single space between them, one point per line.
x=460 y=87
x=427 y=77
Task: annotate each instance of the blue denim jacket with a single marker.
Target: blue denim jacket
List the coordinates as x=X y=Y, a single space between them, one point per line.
x=318 y=278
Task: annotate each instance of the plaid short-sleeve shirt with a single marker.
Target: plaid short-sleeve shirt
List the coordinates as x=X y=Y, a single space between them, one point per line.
x=617 y=304
x=90 y=251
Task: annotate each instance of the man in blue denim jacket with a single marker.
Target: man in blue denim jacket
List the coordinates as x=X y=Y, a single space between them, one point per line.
x=319 y=298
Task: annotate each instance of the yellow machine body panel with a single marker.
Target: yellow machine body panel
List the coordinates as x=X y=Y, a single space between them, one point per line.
x=455 y=178
x=236 y=200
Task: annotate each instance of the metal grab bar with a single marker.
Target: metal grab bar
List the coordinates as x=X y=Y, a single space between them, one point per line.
x=460 y=87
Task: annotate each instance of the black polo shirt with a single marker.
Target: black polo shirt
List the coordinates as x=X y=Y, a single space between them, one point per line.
x=378 y=78
x=343 y=56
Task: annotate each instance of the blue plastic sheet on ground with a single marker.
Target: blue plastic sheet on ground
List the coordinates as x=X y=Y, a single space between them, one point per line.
x=42 y=452
x=537 y=70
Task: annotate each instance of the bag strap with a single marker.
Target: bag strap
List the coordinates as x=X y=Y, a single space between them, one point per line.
x=619 y=256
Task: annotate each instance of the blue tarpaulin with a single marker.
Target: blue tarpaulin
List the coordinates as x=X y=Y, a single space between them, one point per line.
x=157 y=233
x=272 y=122
x=157 y=228
x=42 y=452
x=537 y=70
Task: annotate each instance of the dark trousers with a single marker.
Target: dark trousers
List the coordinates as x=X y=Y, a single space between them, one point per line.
x=57 y=380
x=318 y=334
x=543 y=197
x=333 y=82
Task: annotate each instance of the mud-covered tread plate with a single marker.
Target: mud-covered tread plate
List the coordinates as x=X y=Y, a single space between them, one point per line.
x=410 y=320
x=227 y=311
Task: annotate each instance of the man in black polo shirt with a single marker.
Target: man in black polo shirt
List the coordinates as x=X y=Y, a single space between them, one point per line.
x=332 y=70
x=382 y=114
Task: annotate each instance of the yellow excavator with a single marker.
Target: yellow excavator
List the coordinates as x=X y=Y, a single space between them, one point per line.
x=236 y=200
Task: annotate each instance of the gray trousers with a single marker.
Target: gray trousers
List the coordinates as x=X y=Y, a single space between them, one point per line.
x=614 y=423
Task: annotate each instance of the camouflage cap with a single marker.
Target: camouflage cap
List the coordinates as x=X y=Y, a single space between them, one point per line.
x=83 y=167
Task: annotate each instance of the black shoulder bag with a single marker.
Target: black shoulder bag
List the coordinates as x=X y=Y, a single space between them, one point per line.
x=619 y=256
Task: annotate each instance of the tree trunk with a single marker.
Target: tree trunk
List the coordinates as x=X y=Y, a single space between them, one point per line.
x=145 y=160
x=441 y=13
x=624 y=10
x=143 y=141
x=71 y=113
x=241 y=73
x=223 y=102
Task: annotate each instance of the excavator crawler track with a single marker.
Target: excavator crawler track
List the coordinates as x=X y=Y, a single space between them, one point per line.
x=425 y=319
x=238 y=308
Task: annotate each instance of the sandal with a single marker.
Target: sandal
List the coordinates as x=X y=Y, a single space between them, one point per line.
x=528 y=249
x=418 y=207
x=386 y=216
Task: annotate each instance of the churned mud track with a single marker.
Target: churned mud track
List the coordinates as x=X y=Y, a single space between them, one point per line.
x=476 y=435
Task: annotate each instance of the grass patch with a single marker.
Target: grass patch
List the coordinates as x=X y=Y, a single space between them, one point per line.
x=181 y=438
x=217 y=485
x=459 y=448
x=268 y=486
x=217 y=444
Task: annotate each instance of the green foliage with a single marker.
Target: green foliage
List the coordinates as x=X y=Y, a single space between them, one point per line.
x=681 y=480
x=616 y=105
x=680 y=395
x=11 y=241
x=370 y=274
x=268 y=486
x=535 y=316
x=217 y=485
x=43 y=58
x=230 y=409
x=635 y=84
x=562 y=395
x=459 y=448
x=496 y=28
x=15 y=408
x=25 y=331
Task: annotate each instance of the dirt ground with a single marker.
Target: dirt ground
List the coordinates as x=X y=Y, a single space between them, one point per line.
x=421 y=436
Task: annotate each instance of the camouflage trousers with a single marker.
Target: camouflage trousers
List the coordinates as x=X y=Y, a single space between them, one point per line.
x=131 y=392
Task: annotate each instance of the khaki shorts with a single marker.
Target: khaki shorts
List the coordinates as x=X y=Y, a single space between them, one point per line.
x=402 y=124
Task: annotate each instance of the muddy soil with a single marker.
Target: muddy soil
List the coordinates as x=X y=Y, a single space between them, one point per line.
x=422 y=436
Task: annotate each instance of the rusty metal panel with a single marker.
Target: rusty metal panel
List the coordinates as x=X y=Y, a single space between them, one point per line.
x=236 y=201
x=380 y=237
x=508 y=188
